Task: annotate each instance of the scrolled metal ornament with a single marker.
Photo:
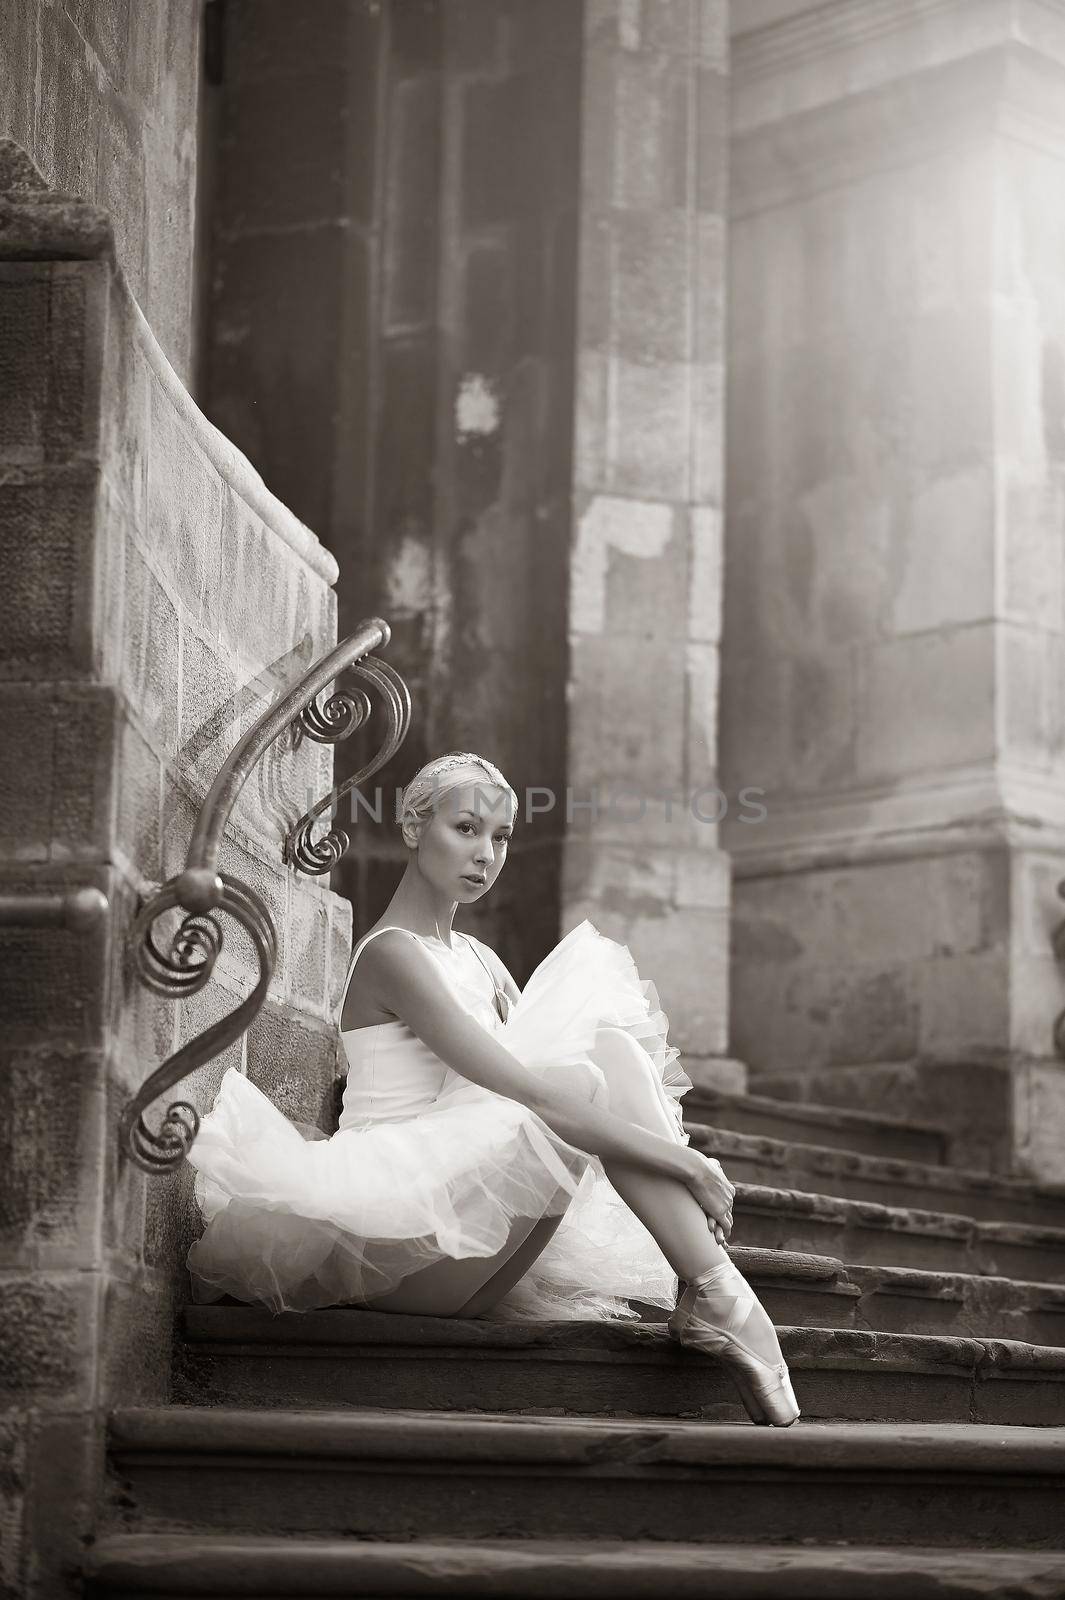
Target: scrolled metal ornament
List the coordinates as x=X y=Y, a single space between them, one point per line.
x=187 y=965
x=181 y=964
x=165 y=1150
x=316 y=856
x=336 y=718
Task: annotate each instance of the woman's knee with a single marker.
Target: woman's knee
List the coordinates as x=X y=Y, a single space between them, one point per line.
x=634 y=1087
x=581 y=1078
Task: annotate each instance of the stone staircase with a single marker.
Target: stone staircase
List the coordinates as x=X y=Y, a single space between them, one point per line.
x=922 y=1312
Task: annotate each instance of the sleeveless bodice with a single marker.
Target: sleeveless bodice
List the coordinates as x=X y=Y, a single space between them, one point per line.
x=391 y=1073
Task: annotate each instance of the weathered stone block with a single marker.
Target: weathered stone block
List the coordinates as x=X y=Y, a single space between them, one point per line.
x=126 y=413
x=151 y=648
x=46 y=552
x=52 y=980
x=947 y=553
x=18 y=70
x=51 y=1149
x=1039 y=1119
x=211 y=709
x=65 y=1461
x=650 y=285
x=590 y=423
x=649 y=429
x=47 y=1340
x=139 y=800
x=138 y=1339
x=651 y=132
x=13 y=1476
x=965 y=1006
x=341 y=943
x=1032 y=550
x=184 y=511
x=1030 y=667
x=63 y=145
x=707 y=424
x=703 y=671
x=306 y=966
x=258 y=593
x=629 y=571
x=950 y=675
x=635 y=743
x=296 y=1065
x=1036 y=999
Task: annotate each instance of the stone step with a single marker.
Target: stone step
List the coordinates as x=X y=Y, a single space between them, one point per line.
x=830 y=1126
x=873 y=1234
x=818 y=1292
x=180 y=1565
x=420 y=1475
x=806 y=1291
x=758 y=1159
x=241 y=1356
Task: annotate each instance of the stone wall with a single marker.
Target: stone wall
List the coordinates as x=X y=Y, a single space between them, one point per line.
x=156 y=598
x=104 y=98
x=391 y=340
x=893 y=602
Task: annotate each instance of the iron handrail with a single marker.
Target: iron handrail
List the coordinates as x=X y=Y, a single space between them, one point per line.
x=184 y=967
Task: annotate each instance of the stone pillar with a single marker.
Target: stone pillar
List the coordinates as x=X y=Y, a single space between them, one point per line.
x=643 y=859
x=155 y=599
x=894 y=577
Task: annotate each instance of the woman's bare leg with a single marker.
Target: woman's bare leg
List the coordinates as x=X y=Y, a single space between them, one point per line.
x=668 y=1210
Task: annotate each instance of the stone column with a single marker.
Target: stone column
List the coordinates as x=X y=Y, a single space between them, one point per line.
x=894 y=598
x=643 y=859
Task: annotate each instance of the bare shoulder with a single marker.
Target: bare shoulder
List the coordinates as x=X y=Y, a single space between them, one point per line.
x=388 y=960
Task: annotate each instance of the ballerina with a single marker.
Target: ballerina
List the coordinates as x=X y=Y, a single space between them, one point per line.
x=501 y=1153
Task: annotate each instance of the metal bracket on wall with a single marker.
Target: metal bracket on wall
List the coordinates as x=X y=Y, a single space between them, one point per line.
x=184 y=965
x=78 y=909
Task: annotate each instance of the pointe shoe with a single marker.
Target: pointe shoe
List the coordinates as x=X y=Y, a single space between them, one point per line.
x=763 y=1386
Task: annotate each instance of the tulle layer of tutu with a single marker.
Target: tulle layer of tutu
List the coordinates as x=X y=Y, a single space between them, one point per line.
x=297 y=1222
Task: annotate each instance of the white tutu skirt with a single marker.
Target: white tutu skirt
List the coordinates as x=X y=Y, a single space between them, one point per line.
x=297 y=1221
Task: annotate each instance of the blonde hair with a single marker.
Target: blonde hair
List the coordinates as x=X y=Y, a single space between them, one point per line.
x=419 y=800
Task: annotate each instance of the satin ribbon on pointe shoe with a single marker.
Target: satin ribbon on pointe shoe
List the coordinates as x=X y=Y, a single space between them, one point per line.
x=723 y=1294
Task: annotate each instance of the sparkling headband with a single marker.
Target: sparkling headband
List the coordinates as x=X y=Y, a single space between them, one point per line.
x=425 y=786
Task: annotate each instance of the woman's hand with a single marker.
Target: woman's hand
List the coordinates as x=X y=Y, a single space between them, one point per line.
x=706 y=1180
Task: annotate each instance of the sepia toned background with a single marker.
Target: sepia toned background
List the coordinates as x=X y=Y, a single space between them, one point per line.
x=684 y=383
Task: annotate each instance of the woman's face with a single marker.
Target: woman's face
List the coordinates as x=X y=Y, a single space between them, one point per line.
x=463 y=846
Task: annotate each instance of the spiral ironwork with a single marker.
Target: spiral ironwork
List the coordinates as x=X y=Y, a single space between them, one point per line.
x=172 y=974
x=316 y=856
x=180 y=962
x=336 y=718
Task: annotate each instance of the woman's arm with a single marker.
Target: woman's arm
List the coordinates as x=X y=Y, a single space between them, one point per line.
x=405 y=980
